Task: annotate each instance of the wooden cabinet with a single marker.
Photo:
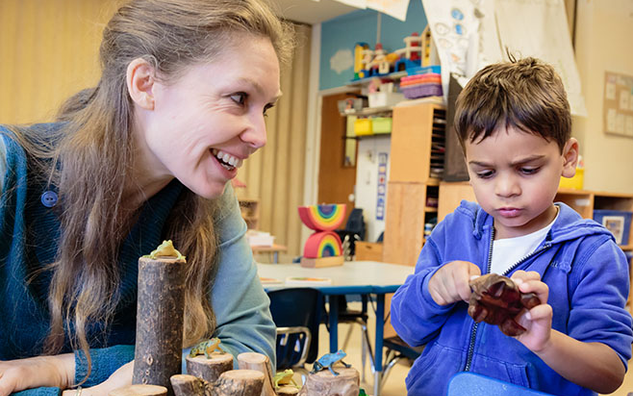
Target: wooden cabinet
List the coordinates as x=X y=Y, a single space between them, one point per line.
x=368 y=251
x=417 y=161
x=250 y=212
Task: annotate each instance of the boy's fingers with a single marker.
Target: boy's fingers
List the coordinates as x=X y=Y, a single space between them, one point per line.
x=543 y=311
x=535 y=286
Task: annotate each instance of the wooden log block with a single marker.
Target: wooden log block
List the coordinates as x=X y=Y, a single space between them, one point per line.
x=287 y=390
x=324 y=383
x=140 y=390
x=209 y=369
x=238 y=383
x=188 y=385
x=159 y=321
x=261 y=363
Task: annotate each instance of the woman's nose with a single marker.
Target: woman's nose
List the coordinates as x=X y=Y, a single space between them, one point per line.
x=255 y=134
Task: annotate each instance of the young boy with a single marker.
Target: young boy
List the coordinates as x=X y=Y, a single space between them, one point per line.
x=514 y=124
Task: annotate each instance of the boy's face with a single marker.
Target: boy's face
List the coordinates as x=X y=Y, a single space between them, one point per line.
x=515 y=177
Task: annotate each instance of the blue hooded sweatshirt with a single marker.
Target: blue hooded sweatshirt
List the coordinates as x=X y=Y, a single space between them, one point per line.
x=587 y=275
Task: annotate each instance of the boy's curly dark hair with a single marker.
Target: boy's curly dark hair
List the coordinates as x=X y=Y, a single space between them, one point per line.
x=526 y=94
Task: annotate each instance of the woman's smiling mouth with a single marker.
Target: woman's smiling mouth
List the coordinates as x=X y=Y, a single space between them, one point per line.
x=228 y=161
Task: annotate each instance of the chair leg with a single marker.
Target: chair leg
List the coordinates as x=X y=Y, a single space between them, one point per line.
x=348 y=336
x=392 y=359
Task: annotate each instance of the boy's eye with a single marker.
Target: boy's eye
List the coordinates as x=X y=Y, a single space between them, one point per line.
x=529 y=171
x=485 y=174
x=239 y=98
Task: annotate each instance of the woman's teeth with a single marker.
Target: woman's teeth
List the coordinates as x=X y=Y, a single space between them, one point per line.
x=228 y=161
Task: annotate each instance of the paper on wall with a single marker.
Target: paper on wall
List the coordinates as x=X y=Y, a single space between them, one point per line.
x=541 y=32
x=395 y=8
x=465 y=36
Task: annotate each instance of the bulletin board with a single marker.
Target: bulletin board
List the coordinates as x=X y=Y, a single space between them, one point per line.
x=618 y=104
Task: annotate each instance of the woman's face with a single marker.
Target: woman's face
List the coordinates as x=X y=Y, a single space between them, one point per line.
x=210 y=119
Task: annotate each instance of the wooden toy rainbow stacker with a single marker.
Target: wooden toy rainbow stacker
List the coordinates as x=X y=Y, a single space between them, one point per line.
x=324 y=247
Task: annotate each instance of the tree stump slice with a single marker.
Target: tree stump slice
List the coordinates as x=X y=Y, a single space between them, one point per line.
x=140 y=390
x=287 y=390
x=188 y=385
x=258 y=362
x=209 y=369
x=238 y=383
x=159 y=321
x=324 y=383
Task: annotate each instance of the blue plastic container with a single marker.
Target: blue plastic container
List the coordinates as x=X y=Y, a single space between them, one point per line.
x=617 y=221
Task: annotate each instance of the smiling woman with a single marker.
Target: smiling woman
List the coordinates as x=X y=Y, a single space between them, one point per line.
x=144 y=156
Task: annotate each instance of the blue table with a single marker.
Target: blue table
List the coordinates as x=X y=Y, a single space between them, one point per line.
x=353 y=277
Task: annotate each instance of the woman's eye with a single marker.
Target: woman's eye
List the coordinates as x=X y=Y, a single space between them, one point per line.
x=266 y=108
x=239 y=98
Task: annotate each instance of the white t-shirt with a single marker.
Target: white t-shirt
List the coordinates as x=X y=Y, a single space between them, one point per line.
x=509 y=251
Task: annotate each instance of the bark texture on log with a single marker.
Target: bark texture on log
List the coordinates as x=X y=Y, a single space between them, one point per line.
x=188 y=385
x=324 y=383
x=258 y=362
x=140 y=390
x=287 y=391
x=159 y=321
x=209 y=369
x=238 y=383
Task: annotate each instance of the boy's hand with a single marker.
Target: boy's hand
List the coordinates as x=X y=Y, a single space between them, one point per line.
x=538 y=320
x=450 y=283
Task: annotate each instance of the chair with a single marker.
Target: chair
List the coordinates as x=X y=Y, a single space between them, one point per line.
x=297 y=315
x=471 y=384
x=396 y=350
x=350 y=316
x=354 y=231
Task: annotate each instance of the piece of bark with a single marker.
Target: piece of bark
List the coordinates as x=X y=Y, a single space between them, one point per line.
x=188 y=385
x=140 y=390
x=287 y=390
x=324 y=383
x=238 y=383
x=257 y=361
x=159 y=320
x=497 y=300
x=209 y=369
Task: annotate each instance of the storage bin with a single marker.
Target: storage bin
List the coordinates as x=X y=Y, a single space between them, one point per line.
x=381 y=125
x=363 y=126
x=616 y=221
x=575 y=182
x=350 y=105
x=381 y=99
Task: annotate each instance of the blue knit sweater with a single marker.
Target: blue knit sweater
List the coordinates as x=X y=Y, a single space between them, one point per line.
x=29 y=232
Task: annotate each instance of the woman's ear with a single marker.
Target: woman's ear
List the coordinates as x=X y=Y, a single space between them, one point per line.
x=570 y=158
x=140 y=80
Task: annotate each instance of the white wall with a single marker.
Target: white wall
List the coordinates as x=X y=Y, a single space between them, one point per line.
x=369 y=149
x=604 y=42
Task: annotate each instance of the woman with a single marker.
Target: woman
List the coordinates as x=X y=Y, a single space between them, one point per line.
x=145 y=156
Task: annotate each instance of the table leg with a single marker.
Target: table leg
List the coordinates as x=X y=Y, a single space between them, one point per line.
x=333 y=300
x=380 y=326
x=276 y=257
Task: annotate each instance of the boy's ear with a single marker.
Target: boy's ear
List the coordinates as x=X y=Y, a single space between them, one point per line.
x=570 y=158
x=140 y=80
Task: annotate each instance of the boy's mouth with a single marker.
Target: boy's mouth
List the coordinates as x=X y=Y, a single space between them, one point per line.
x=509 y=212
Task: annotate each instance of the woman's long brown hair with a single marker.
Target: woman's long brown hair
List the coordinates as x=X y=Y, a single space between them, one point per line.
x=96 y=155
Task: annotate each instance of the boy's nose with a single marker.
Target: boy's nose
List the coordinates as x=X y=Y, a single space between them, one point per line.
x=507 y=187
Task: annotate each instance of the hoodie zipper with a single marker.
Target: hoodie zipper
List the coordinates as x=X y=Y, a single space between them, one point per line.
x=473 y=333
